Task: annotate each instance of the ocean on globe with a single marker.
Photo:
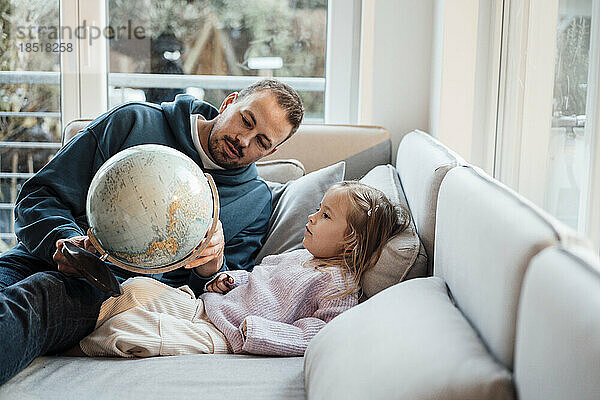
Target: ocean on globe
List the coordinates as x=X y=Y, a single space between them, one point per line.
x=149 y=206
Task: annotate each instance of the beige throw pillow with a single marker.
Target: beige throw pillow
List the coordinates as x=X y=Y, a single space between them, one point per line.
x=403 y=257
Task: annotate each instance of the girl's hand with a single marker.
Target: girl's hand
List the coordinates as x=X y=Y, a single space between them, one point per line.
x=245 y=329
x=221 y=284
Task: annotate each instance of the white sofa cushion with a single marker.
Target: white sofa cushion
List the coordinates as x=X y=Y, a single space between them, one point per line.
x=485 y=237
x=407 y=342
x=403 y=257
x=557 y=353
x=422 y=162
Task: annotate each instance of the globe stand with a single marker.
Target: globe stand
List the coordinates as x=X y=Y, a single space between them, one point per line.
x=103 y=278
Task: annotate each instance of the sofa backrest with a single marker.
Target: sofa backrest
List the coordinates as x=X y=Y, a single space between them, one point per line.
x=557 y=352
x=72 y=127
x=279 y=170
x=486 y=235
x=422 y=162
x=319 y=145
x=316 y=146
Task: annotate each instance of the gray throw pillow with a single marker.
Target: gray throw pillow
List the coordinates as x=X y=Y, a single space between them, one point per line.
x=292 y=203
x=403 y=257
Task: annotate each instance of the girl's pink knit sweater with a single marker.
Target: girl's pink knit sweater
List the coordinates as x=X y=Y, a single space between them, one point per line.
x=283 y=301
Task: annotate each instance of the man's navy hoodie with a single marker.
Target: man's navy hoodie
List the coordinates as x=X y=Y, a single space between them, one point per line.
x=51 y=205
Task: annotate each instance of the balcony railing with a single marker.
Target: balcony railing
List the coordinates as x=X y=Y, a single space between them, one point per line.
x=164 y=80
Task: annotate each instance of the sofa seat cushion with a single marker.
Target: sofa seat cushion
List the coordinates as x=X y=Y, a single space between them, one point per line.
x=202 y=376
x=407 y=342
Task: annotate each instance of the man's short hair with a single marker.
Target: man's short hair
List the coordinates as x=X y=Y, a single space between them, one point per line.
x=286 y=97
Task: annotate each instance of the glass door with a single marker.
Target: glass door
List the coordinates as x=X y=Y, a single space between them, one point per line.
x=547 y=144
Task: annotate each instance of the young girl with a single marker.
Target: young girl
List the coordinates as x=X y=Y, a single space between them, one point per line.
x=277 y=309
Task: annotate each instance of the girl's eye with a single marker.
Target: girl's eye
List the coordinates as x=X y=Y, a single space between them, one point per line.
x=325 y=215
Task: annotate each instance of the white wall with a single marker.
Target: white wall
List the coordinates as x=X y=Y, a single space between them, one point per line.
x=464 y=76
x=395 y=69
x=453 y=95
x=436 y=66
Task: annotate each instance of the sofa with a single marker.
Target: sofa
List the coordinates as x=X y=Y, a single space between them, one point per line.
x=507 y=306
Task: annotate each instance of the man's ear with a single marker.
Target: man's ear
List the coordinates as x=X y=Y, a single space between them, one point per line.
x=228 y=100
x=271 y=152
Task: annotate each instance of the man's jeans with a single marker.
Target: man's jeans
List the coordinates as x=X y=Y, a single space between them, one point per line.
x=42 y=313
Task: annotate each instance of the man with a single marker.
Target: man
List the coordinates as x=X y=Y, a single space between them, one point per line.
x=43 y=307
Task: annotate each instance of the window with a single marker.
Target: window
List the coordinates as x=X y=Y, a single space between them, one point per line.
x=528 y=86
x=67 y=59
x=210 y=48
x=547 y=146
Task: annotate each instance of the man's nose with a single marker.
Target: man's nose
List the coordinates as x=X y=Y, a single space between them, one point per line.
x=311 y=218
x=243 y=139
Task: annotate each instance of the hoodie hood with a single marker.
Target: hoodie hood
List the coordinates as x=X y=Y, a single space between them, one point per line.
x=177 y=113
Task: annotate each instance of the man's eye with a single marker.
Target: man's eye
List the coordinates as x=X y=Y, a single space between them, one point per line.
x=325 y=215
x=246 y=122
x=263 y=143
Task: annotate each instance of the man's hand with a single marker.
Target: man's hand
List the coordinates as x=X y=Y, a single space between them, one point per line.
x=210 y=261
x=63 y=266
x=221 y=284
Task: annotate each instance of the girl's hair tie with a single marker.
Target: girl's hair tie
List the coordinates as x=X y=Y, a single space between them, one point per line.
x=372 y=210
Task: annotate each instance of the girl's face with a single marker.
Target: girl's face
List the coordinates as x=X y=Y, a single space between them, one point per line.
x=326 y=229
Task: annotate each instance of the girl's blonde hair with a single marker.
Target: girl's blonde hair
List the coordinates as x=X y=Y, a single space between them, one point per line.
x=372 y=220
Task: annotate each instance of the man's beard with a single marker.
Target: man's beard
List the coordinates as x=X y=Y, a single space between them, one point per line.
x=218 y=155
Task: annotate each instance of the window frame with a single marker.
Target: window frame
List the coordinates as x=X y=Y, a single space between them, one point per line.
x=589 y=216
x=84 y=90
x=343 y=61
x=525 y=102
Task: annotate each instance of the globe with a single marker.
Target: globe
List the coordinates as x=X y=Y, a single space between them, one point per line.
x=149 y=207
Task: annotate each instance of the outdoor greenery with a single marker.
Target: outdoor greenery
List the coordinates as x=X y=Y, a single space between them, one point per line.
x=218 y=36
